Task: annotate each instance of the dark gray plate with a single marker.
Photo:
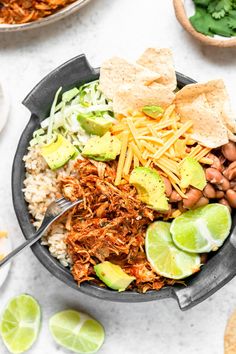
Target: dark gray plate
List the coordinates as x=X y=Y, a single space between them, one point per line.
x=218 y=270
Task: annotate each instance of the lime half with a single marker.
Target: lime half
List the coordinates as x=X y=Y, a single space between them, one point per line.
x=165 y=258
x=203 y=229
x=77 y=331
x=20 y=323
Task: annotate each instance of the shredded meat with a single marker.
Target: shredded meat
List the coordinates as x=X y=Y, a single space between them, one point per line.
x=22 y=11
x=110 y=225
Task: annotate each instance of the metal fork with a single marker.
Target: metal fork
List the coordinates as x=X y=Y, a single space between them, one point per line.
x=53 y=212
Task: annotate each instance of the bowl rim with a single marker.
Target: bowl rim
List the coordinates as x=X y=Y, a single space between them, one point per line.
x=59 y=15
x=182 y=17
x=199 y=286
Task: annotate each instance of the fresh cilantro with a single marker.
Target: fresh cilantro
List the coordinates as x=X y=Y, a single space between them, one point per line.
x=232 y=20
x=221 y=27
x=201 y=21
x=202 y=2
x=219 y=8
x=215 y=17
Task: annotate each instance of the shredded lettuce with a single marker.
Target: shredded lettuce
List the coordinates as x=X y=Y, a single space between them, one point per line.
x=52 y=113
x=86 y=100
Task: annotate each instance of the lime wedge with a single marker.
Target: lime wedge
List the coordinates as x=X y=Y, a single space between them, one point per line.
x=203 y=229
x=165 y=258
x=20 y=323
x=77 y=331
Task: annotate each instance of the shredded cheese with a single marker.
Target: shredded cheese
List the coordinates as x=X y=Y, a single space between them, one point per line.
x=121 y=162
x=161 y=143
x=128 y=161
x=173 y=139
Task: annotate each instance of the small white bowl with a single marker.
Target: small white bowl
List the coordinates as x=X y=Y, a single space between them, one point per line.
x=182 y=8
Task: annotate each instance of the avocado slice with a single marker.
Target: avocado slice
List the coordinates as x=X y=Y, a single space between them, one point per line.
x=103 y=148
x=94 y=125
x=150 y=187
x=192 y=173
x=153 y=111
x=58 y=152
x=113 y=276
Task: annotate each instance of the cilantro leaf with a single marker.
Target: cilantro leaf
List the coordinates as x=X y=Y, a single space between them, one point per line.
x=201 y=21
x=232 y=20
x=202 y=2
x=204 y=23
x=234 y=4
x=219 y=8
x=221 y=27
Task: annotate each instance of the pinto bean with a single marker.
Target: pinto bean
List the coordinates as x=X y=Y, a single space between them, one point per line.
x=175 y=197
x=233 y=185
x=229 y=151
x=216 y=162
x=230 y=171
x=168 y=186
x=193 y=196
x=226 y=203
x=231 y=197
x=209 y=191
x=181 y=207
x=214 y=176
x=219 y=194
x=202 y=201
x=224 y=185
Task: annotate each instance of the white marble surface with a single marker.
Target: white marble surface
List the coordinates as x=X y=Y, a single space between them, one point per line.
x=104 y=28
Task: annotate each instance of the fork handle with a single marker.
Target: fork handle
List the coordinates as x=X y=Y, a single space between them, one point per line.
x=25 y=244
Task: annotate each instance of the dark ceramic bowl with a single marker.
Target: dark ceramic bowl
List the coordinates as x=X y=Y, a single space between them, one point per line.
x=218 y=270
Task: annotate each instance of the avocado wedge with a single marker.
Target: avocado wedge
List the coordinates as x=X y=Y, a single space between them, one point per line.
x=57 y=153
x=192 y=174
x=94 y=125
x=104 y=148
x=113 y=276
x=150 y=187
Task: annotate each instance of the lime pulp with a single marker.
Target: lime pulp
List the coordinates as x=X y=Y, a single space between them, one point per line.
x=20 y=323
x=165 y=258
x=77 y=331
x=203 y=229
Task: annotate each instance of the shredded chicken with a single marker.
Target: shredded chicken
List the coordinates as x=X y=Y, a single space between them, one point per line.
x=110 y=225
x=22 y=11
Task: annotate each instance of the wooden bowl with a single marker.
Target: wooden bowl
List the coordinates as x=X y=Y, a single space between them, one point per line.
x=180 y=12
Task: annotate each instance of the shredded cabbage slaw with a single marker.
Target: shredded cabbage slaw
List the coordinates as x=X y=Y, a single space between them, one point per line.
x=85 y=100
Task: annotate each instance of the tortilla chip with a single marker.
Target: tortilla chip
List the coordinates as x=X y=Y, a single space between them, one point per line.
x=161 y=61
x=230 y=335
x=117 y=71
x=202 y=104
x=231 y=136
x=133 y=97
x=218 y=99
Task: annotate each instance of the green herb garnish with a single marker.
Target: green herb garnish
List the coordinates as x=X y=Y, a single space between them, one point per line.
x=215 y=17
